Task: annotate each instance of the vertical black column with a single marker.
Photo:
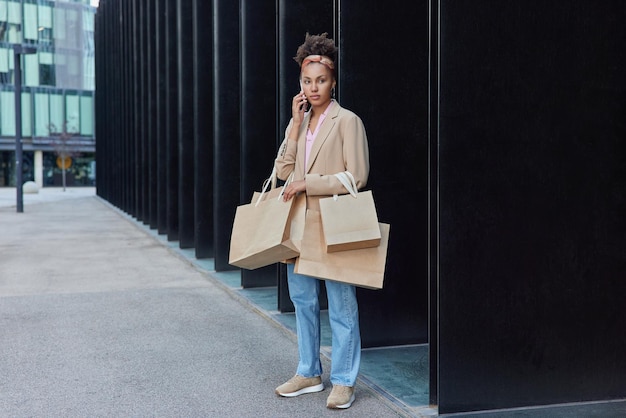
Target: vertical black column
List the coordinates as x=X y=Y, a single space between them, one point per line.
x=128 y=146
x=137 y=151
x=203 y=127
x=116 y=132
x=186 y=217
x=100 y=31
x=144 y=70
x=258 y=110
x=122 y=176
x=171 y=125
x=161 y=114
x=433 y=201
x=398 y=154
x=226 y=87
x=151 y=113
x=532 y=227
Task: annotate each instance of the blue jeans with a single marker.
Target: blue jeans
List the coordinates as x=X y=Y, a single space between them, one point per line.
x=343 y=313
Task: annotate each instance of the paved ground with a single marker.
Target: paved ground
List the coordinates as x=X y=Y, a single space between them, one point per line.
x=97 y=318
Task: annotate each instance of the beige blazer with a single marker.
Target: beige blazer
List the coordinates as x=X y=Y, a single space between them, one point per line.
x=340 y=145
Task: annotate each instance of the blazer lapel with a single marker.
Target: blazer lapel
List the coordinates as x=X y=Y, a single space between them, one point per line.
x=322 y=135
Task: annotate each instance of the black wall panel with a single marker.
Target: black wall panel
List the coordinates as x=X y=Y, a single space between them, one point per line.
x=161 y=114
x=171 y=122
x=532 y=203
x=258 y=111
x=433 y=201
x=203 y=127
x=384 y=79
x=186 y=160
x=143 y=163
x=151 y=114
x=227 y=93
x=125 y=181
x=100 y=31
x=137 y=209
x=122 y=190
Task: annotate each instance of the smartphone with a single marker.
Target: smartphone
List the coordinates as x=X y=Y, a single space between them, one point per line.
x=305 y=106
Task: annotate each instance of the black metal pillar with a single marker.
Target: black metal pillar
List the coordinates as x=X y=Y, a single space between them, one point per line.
x=203 y=127
x=151 y=115
x=394 y=176
x=258 y=111
x=186 y=166
x=171 y=122
x=226 y=88
x=161 y=115
x=531 y=183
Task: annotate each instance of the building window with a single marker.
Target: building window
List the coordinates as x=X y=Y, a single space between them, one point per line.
x=45 y=24
x=42 y=114
x=30 y=23
x=5 y=73
x=31 y=69
x=47 y=73
x=72 y=111
x=7 y=115
x=86 y=115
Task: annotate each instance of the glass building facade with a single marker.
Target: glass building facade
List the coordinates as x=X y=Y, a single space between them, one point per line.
x=58 y=87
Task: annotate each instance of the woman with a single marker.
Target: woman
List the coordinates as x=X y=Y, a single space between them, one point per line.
x=320 y=142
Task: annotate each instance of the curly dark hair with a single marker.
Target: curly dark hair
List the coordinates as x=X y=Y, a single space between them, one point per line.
x=316 y=45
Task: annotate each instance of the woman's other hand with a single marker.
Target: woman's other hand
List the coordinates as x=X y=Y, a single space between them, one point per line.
x=293 y=189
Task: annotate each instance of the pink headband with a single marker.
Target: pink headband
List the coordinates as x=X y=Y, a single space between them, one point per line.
x=322 y=59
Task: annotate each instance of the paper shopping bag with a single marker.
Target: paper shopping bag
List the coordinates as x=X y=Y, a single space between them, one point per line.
x=261 y=231
x=364 y=267
x=349 y=221
x=296 y=219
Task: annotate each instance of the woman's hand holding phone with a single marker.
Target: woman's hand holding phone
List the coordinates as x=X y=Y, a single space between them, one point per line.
x=299 y=105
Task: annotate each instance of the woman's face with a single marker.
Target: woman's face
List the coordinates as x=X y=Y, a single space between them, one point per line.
x=317 y=83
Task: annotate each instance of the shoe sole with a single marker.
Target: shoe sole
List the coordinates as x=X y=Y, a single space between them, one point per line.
x=345 y=405
x=308 y=389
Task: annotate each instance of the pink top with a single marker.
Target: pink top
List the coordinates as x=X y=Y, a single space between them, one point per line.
x=310 y=136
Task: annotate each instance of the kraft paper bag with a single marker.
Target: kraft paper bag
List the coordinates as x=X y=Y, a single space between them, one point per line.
x=261 y=233
x=349 y=221
x=296 y=219
x=363 y=267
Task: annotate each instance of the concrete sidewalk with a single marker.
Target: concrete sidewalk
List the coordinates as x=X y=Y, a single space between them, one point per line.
x=98 y=318
x=8 y=195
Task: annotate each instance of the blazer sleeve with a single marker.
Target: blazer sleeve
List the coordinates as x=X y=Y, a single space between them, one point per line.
x=286 y=159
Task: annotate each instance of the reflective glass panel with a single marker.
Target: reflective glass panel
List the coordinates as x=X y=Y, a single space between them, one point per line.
x=31 y=70
x=27 y=118
x=30 y=22
x=42 y=114
x=86 y=115
x=7 y=117
x=57 y=112
x=73 y=113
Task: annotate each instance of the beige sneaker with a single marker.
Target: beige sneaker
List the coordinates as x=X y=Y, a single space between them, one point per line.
x=299 y=385
x=341 y=397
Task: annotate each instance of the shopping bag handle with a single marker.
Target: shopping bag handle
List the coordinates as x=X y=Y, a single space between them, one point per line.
x=272 y=180
x=347 y=179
